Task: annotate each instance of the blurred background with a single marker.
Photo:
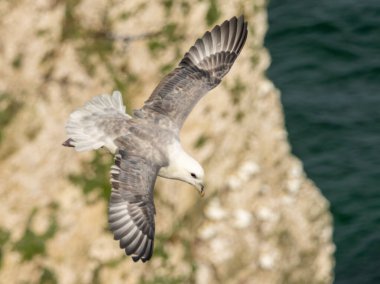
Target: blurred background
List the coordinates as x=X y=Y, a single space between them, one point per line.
x=262 y=220
x=325 y=61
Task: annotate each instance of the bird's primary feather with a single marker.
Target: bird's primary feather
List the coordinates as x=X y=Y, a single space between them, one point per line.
x=131 y=209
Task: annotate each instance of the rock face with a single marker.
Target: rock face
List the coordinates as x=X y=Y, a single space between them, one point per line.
x=262 y=220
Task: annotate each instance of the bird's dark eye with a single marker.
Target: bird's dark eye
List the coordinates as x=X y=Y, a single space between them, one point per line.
x=193 y=175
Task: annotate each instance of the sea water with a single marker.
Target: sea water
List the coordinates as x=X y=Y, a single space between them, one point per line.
x=326 y=62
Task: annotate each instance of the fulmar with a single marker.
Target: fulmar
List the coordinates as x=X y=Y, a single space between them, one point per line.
x=147 y=144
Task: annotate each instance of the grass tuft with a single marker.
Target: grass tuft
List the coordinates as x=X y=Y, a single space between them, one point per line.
x=95 y=176
x=213 y=13
x=32 y=244
x=9 y=107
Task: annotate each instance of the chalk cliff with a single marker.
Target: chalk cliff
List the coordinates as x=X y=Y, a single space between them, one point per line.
x=261 y=221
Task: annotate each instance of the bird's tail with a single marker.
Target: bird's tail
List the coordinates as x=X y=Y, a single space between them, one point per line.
x=97 y=123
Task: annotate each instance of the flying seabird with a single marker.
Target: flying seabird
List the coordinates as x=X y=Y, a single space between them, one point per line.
x=147 y=143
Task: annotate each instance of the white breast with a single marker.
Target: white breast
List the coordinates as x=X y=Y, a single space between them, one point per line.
x=175 y=155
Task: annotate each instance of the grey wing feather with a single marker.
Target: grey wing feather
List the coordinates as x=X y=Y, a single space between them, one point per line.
x=200 y=70
x=131 y=209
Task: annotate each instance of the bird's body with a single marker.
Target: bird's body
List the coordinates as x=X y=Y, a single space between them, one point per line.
x=147 y=144
x=159 y=143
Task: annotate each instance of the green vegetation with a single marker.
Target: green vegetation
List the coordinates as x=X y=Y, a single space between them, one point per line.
x=167 y=68
x=33 y=131
x=236 y=90
x=201 y=141
x=70 y=26
x=112 y=263
x=17 y=61
x=4 y=237
x=95 y=176
x=185 y=7
x=95 y=47
x=213 y=13
x=168 y=36
x=125 y=16
x=155 y=46
x=159 y=246
x=168 y=4
x=48 y=276
x=254 y=58
x=239 y=116
x=171 y=33
x=9 y=107
x=164 y=280
x=160 y=252
x=48 y=56
x=32 y=244
x=42 y=32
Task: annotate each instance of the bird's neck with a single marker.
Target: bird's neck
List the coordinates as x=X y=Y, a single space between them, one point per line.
x=178 y=158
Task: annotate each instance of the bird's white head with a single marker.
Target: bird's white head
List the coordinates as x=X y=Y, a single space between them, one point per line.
x=185 y=168
x=193 y=174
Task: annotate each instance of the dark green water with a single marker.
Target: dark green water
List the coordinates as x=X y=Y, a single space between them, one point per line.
x=326 y=62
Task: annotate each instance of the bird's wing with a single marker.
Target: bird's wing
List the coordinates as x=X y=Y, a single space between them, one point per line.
x=131 y=209
x=200 y=70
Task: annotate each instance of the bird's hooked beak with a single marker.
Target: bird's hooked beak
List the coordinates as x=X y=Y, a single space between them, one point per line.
x=200 y=187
